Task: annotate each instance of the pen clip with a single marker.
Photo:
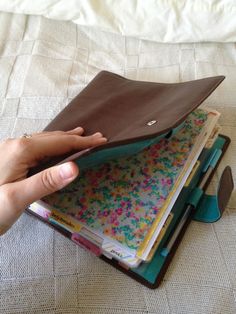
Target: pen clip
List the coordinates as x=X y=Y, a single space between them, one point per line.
x=213 y=159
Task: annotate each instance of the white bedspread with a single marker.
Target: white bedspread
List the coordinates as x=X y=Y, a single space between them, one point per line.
x=44 y=64
x=169 y=21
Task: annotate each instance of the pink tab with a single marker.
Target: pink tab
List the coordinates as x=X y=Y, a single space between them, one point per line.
x=88 y=245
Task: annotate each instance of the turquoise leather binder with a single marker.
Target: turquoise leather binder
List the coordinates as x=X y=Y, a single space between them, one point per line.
x=207 y=209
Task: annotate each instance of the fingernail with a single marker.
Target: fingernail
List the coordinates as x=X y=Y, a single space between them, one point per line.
x=66 y=171
x=98 y=134
x=103 y=139
x=78 y=129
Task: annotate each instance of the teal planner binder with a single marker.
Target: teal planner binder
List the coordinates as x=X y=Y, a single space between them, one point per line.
x=205 y=208
x=208 y=208
x=115 y=210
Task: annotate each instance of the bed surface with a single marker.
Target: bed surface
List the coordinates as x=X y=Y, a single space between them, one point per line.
x=43 y=65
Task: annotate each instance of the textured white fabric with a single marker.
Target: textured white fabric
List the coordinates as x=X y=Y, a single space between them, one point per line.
x=169 y=21
x=45 y=63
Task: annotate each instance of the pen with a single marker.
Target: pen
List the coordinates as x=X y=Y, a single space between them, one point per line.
x=207 y=170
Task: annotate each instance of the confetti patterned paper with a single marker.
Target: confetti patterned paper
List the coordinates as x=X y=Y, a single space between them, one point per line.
x=123 y=197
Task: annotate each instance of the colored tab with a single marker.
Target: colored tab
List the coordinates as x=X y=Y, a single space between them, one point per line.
x=113 y=251
x=65 y=221
x=91 y=236
x=213 y=137
x=86 y=244
x=116 y=251
x=194 y=170
x=40 y=210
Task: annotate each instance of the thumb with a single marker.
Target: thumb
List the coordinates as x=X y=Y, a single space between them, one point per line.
x=16 y=196
x=43 y=183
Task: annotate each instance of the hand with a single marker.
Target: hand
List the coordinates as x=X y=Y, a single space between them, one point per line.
x=18 y=155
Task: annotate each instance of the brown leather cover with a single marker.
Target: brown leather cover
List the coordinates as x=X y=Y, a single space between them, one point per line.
x=121 y=109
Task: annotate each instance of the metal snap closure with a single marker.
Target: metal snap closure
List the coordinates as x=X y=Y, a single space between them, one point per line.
x=151 y=122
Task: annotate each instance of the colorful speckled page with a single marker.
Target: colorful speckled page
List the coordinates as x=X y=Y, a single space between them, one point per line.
x=123 y=197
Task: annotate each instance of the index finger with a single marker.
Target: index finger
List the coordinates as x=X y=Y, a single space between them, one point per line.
x=41 y=147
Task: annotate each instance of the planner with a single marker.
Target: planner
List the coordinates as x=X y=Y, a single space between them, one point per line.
x=123 y=205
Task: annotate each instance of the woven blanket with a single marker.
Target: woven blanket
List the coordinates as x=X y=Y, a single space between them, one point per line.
x=43 y=65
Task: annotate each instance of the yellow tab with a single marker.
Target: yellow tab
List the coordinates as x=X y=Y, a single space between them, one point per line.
x=68 y=222
x=210 y=142
x=192 y=173
x=160 y=237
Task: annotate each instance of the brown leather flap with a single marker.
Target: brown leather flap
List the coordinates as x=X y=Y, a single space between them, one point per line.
x=226 y=186
x=127 y=111
x=121 y=108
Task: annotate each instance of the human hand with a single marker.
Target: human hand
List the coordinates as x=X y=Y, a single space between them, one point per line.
x=18 y=155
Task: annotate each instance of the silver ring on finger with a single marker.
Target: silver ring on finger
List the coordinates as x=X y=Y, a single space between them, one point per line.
x=26 y=135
